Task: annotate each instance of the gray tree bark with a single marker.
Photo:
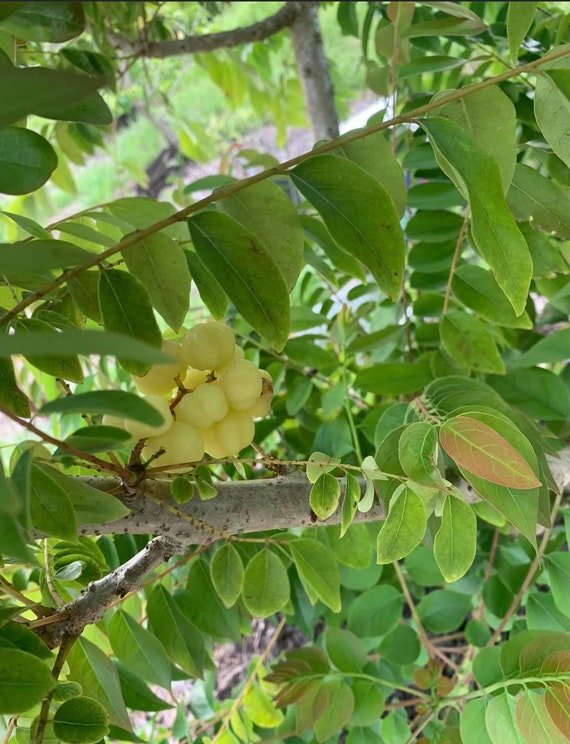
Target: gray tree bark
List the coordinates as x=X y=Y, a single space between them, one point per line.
x=314 y=72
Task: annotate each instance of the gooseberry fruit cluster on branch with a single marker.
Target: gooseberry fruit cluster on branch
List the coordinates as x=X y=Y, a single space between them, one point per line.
x=212 y=411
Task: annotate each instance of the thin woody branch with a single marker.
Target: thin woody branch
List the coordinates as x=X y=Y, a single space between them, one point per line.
x=210 y=42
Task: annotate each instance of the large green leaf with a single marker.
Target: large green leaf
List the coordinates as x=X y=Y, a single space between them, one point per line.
x=24 y=681
x=338 y=711
x=474 y=112
x=417 y=450
x=50 y=506
x=84 y=341
x=403 y=528
x=246 y=271
x=552 y=348
x=114 y=402
x=65 y=365
x=11 y=397
x=92 y=668
x=211 y=293
x=325 y=495
x=317 y=568
x=552 y=111
x=226 y=571
x=139 y=649
x=519 y=20
x=536 y=391
x=476 y=288
x=374 y=154
x=359 y=213
x=159 y=263
x=443 y=610
x=46 y=21
x=265 y=585
x=81 y=719
x=181 y=638
x=533 y=196
x=27 y=160
x=376 y=611
x=42 y=255
x=456 y=540
x=394 y=378
x=494 y=230
x=54 y=94
x=126 y=308
x=201 y=602
x=468 y=341
x=91 y=506
x=268 y=213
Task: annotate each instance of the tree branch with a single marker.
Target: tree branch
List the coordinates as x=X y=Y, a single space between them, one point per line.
x=313 y=69
x=90 y=606
x=210 y=42
x=240 y=507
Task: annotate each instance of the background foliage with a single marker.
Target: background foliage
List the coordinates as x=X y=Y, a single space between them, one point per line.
x=405 y=285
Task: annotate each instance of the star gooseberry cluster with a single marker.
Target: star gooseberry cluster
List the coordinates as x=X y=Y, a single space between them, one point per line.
x=224 y=393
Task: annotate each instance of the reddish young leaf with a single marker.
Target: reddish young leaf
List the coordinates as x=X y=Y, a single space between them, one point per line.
x=557 y=695
x=480 y=450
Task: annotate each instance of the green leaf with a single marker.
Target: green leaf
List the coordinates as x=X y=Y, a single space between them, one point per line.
x=29 y=225
x=141 y=212
x=476 y=288
x=500 y=717
x=318 y=570
x=126 y=308
x=558 y=565
x=443 y=610
x=431 y=63
x=64 y=366
x=27 y=160
x=345 y=650
x=265 y=584
x=375 y=612
x=354 y=548
x=358 y=212
x=324 y=496
x=95 y=439
x=24 y=681
x=467 y=340
x=84 y=291
x=552 y=111
x=434 y=195
x=496 y=235
x=446 y=27
x=520 y=507
x=534 y=197
x=394 y=378
x=227 y=574
x=403 y=528
x=400 y=646
x=246 y=272
x=318 y=464
x=159 y=263
x=54 y=94
x=93 y=669
x=473 y=114
x=91 y=506
x=12 y=398
x=456 y=540
x=139 y=650
x=113 y=402
x=50 y=506
x=552 y=348
x=211 y=293
x=350 y=502
x=374 y=154
x=472 y=723
x=81 y=720
x=338 y=712
x=80 y=341
x=181 y=639
x=42 y=255
x=479 y=449
x=92 y=63
x=519 y=19
x=417 y=452
x=201 y=602
x=136 y=694
x=268 y=213
x=535 y=391
x=46 y=21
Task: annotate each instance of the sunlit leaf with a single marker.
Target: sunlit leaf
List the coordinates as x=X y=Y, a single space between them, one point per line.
x=403 y=528
x=478 y=448
x=456 y=540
